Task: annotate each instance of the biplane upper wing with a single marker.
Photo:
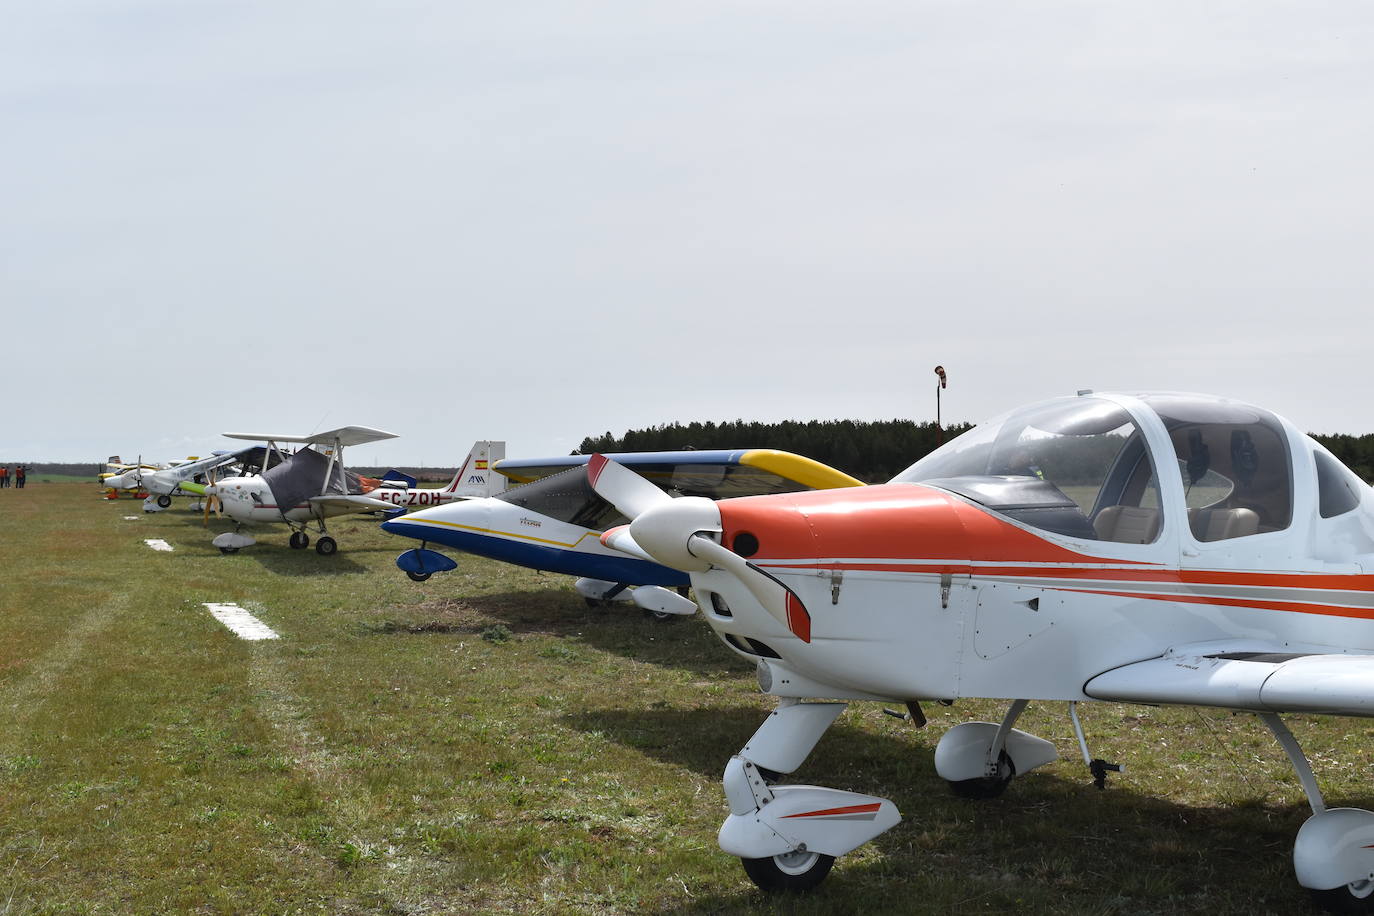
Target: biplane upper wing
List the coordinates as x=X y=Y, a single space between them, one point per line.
x=346 y=436
x=715 y=473
x=1251 y=675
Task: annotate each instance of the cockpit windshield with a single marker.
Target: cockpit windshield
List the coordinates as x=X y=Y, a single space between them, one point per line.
x=567 y=497
x=1078 y=468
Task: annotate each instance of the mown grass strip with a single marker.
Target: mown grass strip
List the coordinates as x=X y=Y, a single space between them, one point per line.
x=486 y=742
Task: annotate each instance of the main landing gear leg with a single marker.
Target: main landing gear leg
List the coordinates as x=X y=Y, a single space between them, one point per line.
x=979 y=759
x=326 y=545
x=1096 y=765
x=1333 y=855
x=787 y=837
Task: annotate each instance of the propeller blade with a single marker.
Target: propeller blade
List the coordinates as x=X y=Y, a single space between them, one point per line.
x=776 y=598
x=622 y=487
x=620 y=539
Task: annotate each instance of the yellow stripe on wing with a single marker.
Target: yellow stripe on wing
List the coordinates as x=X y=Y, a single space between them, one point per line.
x=803 y=470
x=509 y=534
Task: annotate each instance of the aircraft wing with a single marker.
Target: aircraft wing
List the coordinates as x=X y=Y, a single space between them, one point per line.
x=352 y=501
x=184 y=472
x=716 y=473
x=347 y=435
x=1250 y=676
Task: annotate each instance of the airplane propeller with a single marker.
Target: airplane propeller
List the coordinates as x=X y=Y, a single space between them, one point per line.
x=212 y=497
x=675 y=532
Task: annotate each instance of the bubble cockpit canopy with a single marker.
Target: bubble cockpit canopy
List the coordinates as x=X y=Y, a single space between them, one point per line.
x=1081 y=467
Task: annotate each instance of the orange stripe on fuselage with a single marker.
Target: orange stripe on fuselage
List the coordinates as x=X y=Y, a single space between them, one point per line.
x=1290 y=606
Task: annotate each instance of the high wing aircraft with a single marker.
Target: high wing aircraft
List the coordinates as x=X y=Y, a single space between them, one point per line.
x=554 y=520
x=310 y=485
x=475 y=478
x=117 y=470
x=1136 y=548
x=165 y=482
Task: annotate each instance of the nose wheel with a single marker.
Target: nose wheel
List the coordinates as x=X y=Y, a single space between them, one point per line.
x=1355 y=897
x=791 y=872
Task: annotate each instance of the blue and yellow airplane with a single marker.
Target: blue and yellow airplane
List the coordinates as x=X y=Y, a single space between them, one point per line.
x=553 y=520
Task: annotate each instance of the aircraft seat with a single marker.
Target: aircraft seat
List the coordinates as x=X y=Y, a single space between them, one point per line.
x=1223 y=524
x=1127 y=524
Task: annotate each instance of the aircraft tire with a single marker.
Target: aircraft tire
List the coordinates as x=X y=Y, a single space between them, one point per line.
x=299 y=540
x=661 y=616
x=164 y=500
x=418 y=577
x=984 y=787
x=1351 y=898
x=791 y=873
x=326 y=546
x=228 y=550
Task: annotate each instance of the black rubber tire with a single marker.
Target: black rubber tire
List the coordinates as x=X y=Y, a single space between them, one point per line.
x=418 y=577
x=984 y=787
x=326 y=546
x=299 y=540
x=594 y=602
x=1357 y=898
x=792 y=873
x=660 y=616
x=228 y=550
x=164 y=500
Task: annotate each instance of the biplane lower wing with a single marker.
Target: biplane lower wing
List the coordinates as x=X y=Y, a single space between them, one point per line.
x=1253 y=676
x=351 y=502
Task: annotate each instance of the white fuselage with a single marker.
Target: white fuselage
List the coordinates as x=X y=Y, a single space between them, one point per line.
x=418 y=498
x=250 y=500
x=915 y=592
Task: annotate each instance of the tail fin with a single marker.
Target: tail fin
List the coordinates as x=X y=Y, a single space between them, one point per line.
x=476 y=477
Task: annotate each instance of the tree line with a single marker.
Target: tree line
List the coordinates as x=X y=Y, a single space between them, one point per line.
x=869 y=450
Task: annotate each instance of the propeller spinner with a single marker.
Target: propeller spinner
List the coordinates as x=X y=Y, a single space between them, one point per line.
x=676 y=533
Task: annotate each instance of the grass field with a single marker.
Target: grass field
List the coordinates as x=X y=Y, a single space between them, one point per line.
x=484 y=742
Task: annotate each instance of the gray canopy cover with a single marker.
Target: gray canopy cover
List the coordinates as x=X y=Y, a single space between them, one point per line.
x=302 y=476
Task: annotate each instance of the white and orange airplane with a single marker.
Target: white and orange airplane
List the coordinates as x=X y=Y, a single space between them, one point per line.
x=1156 y=548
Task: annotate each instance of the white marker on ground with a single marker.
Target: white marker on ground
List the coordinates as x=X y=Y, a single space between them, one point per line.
x=244 y=624
x=158 y=544
x=131 y=518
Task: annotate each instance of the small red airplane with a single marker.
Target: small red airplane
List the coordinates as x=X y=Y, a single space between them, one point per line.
x=1154 y=548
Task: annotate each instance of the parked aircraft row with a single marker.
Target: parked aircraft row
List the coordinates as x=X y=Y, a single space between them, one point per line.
x=1146 y=548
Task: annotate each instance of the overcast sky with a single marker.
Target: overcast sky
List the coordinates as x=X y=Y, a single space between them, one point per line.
x=540 y=221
